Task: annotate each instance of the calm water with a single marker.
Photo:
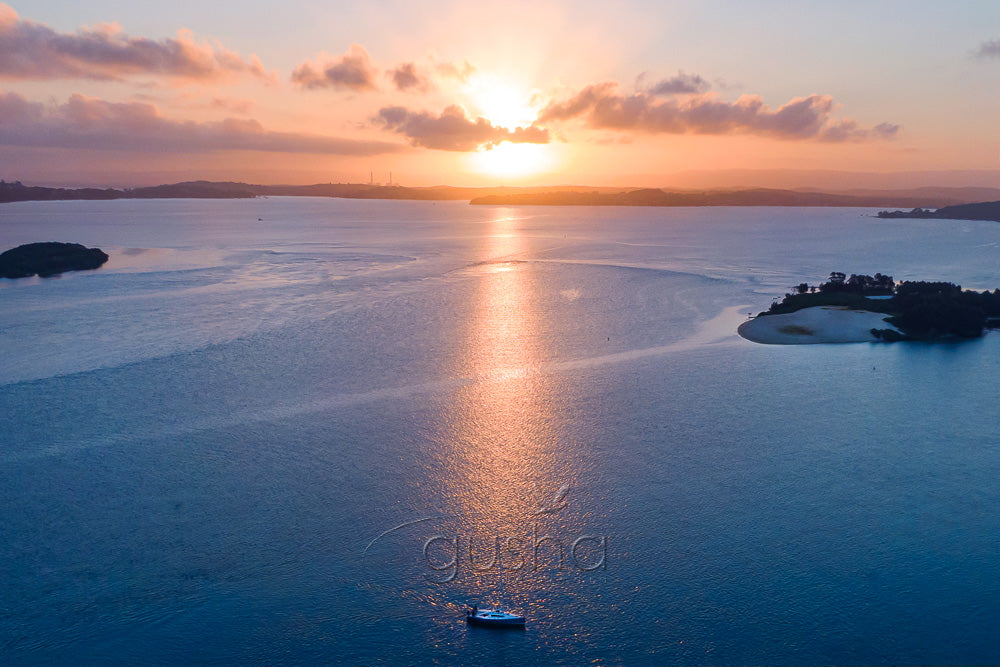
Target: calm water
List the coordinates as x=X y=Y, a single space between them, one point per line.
x=278 y=440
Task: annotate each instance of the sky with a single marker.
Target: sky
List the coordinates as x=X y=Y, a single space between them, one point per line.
x=634 y=93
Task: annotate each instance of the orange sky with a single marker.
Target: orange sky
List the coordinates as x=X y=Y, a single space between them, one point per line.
x=457 y=93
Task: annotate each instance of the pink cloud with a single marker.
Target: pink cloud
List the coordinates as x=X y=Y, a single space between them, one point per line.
x=461 y=71
x=30 y=50
x=680 y=84
x=353 y=71
x=406 y=77
x=89 y=123
x=601 y=106
x=453 y=130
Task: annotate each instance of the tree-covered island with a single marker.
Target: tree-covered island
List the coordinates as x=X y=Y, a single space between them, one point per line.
x=987 y=210
x=920 y=310
x=49 y=258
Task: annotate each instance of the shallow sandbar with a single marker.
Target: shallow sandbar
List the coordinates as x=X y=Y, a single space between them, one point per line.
x=821 y=324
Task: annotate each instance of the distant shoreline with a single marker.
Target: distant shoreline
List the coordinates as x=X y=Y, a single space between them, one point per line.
x=989 y=210
x=507 y=196
x=718 y=197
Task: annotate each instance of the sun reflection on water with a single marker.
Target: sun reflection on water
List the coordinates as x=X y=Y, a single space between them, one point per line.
x=501 y=432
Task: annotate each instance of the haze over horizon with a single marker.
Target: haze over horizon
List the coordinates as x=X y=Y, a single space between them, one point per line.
x=666 y=94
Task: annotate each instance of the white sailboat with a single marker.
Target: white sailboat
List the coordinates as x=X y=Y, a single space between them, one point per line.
x=497 y=618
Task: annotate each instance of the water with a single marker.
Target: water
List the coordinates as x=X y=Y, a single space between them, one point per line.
x=277 y=441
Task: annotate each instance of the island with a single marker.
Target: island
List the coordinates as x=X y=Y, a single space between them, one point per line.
x=863 y=308
x=987 y=210
x=48 y=259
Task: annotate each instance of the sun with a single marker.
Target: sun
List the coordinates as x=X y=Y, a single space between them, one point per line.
x=510 y=107
x=501 y=103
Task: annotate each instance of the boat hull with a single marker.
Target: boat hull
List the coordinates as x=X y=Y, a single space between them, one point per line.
x=495 y=619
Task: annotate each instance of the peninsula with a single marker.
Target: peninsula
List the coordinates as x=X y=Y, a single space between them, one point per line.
x=863 y=308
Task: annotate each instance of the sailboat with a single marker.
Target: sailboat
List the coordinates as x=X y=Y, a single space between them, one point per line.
x=496 y=618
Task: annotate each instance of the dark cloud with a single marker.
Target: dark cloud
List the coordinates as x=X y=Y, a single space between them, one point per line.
x=96 y=124
x=353 y=71
x=30 y=50
x=405 y=77
x=990 y=49
x=453 y=130
x=601 y=106
x=680 y=84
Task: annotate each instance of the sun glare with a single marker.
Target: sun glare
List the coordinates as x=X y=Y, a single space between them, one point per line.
x=501 y=103
x=508 y=160
x=509 y=107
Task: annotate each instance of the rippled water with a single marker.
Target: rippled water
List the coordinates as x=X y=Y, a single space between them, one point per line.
x=300 y=438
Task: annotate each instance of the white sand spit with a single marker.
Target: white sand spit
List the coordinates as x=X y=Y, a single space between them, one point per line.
x=821 y=324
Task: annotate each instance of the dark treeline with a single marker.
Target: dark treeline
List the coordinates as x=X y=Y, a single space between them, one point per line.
x=859 y=284
x=921 y=309
x=932 y=309
x=987 y=210
x=15 y=191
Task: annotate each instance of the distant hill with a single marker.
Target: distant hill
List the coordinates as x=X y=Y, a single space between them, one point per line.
x=568 y=195
x=943 y=196
x=721 y=197
x=194 y=190
x=16 y=192
x=369 y=191
x=11 y=192
x=989 y=210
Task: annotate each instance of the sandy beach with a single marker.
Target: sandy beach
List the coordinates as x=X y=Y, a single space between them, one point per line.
x=822 y=324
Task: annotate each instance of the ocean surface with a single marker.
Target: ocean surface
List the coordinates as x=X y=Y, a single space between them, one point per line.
x=298 y=431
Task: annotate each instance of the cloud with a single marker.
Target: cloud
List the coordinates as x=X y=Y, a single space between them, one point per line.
x=680 y=84
x=462 y=71
x=601 y=106
x=848 y=130
x=990 y=49
x=453 y=130
x=353 y=71
x=405 y=77
x=586 y=100
x=232 y=105
x=30 y=50
x=90 y=123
